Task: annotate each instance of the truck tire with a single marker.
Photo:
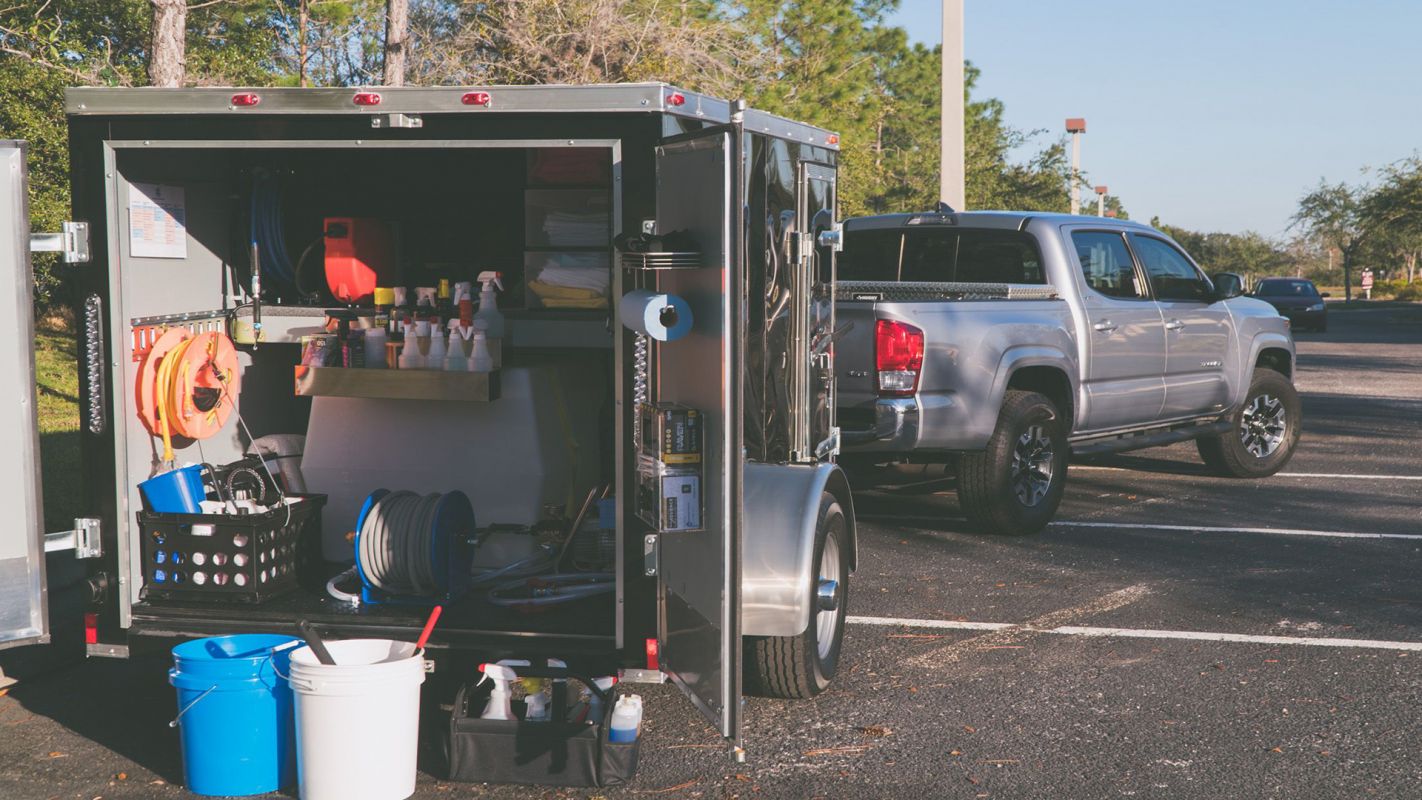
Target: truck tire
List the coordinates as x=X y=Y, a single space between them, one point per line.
x=1263 y=433
x=1014 y=485
x=799 y=667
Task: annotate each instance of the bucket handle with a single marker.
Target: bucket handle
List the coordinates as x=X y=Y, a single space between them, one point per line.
x=188 y=707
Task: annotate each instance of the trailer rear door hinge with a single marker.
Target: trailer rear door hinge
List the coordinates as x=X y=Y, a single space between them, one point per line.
x=84 y=540
x=649 y=554
x=72 y=243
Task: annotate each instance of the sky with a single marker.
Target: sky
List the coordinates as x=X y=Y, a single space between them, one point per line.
x=1216 y=116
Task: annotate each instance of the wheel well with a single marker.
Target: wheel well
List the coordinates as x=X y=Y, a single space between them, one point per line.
x=1049 y=381
x=1277 y=359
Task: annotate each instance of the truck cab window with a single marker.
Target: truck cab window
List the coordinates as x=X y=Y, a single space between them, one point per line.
x=870 y=255
x=928 y=255
x=1106 y=264
x=998 y=257
x=1171 y=273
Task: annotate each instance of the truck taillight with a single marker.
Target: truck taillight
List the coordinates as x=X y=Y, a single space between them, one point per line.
x=898 y=357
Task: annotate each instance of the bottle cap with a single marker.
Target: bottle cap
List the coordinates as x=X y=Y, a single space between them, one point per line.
x=384 y=296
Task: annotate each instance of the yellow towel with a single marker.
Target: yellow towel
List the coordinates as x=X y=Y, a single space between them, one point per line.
x=548 y=291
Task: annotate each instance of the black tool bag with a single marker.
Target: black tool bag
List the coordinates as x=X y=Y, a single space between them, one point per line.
x=552 y=753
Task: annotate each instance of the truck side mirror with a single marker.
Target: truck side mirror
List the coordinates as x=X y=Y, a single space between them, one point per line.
x=1227 y=285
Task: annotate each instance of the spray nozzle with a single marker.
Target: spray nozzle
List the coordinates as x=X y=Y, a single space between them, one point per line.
x=491 y=280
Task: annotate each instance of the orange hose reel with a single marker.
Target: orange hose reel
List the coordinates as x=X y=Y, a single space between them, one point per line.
x=187 y=386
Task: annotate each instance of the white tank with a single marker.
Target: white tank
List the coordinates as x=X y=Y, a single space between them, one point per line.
x=536 y=446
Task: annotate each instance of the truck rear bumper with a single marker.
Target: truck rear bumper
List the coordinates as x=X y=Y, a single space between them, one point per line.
x=896 y=427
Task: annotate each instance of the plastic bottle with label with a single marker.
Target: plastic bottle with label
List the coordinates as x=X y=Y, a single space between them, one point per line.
x=626 y=719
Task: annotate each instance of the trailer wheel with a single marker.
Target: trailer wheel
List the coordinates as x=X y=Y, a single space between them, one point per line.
x=1014 y=485
x=798 y=667
x=1263 y=433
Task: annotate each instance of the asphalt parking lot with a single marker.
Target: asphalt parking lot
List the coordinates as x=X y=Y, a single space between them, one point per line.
x=1172 y=635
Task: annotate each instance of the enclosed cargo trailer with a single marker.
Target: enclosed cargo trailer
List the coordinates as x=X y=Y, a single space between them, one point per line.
x=535 y=183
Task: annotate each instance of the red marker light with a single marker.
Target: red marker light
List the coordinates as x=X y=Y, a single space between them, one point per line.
x=91 y=628
x=477 y=99
x=366 y=99
x=246 y=100
x=676 y=99
x=833 y=138
x=653 y=660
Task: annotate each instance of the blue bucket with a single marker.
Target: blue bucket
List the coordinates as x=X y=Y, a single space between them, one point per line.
x=177 y=491
x=235 y=714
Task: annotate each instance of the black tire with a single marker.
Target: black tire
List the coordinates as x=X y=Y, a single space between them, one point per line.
x=793 y=667
x=1228 y=454
x=988 y=487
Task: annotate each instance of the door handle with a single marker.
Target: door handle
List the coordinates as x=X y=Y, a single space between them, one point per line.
x=1105 y=326
x=1174 y=325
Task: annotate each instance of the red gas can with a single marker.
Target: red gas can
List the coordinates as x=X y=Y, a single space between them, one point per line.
x=360 y=255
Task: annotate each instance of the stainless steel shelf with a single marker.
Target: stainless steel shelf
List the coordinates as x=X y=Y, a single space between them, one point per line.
x=682 y=260
x=397 y=384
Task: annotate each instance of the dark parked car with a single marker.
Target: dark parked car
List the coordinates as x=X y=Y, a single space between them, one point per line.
x=1297 y=299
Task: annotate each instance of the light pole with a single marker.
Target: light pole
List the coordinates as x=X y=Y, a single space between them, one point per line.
x=1101 y=201
x=952 y=168
x=1076 y=126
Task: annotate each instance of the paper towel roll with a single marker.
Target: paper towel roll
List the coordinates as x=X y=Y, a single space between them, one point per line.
x=664 y=317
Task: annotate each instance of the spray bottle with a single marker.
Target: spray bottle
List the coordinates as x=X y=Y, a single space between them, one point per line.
x=435 y=358
x=481 y=360
x=499 y=706
x=489 y=312
x=454 y=359
x=595 y=704
x=410 y=356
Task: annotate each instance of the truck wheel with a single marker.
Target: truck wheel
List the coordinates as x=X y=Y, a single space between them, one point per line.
x=1014 y=485
x=798 y=667
x=1264 y=430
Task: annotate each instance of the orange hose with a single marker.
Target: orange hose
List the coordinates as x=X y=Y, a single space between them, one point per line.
x=189 y=387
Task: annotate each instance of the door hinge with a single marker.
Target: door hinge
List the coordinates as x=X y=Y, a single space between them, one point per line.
x=649 y=554
x=84 y=540
x=397 y=120
x=72 y=243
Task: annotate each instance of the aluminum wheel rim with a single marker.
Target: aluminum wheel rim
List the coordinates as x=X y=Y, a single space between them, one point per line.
x=1033 y=464
x=826 y=622
x=1263 y=425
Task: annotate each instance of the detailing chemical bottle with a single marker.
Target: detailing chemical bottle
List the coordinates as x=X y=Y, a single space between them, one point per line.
x=454 y=359
x=480 y=359
x=435 y=358
x=384 y=304
x=626 y=719
x=595 y=701
x=401 y=313
x=375 y=340
x=499 y=706
x=535 y=703
x=410 y=356
x=489 y=312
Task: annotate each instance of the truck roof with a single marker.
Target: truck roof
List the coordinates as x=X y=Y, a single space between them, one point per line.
x=639 y=98
x=1002 y=220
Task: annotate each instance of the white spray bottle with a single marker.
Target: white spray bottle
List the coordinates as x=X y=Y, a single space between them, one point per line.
x=481 y=360
x=499 y=706
x=410 y=355
x=455 y=360
x=489 y=312
x=435 y=358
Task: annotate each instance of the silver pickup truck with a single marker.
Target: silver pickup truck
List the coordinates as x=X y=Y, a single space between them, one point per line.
x=1002 y=342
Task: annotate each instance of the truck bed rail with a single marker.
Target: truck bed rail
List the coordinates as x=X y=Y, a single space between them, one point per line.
x=913 y=291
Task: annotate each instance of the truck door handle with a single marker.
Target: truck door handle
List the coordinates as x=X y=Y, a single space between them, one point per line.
x=1105 y=326
x=1174 y=325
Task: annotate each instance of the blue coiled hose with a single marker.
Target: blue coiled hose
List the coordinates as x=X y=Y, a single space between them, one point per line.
x=267 y=233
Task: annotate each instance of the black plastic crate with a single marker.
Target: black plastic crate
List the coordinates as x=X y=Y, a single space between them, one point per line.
x=226 y=557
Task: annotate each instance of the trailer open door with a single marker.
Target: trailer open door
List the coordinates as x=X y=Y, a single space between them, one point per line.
x=699 y=571
x=24 y=617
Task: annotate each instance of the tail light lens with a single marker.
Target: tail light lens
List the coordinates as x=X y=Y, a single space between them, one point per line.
x=898 y=357
x=366 y=99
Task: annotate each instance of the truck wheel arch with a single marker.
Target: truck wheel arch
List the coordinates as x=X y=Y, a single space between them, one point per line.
x=1045 y=370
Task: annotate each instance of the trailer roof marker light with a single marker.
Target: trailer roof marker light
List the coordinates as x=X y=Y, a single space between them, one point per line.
x=246 y=100
x=477 y=99
x=676 y=99
x=833 y=138
x=366 y=99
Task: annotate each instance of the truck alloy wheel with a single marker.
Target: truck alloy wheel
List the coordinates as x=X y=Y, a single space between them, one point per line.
x=1264 y=430
x=1014 y=485
x=797 y=667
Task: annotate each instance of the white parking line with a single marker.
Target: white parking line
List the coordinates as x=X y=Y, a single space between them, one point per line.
x=1328 y=475
x=1139 y=633
x=1209 y=529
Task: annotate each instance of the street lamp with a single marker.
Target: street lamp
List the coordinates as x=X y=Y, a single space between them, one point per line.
x=952 y=163
x=1101 y=201
x=1076 y=126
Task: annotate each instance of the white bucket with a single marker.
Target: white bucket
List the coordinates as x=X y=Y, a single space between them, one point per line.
x=357 y=721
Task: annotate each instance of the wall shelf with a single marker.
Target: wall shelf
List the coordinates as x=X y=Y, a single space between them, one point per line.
x=397 y=384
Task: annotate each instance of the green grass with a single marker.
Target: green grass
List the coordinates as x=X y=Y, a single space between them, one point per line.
x=57 y=383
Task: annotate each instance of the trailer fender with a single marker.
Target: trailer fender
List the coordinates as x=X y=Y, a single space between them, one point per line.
x=782 y=503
